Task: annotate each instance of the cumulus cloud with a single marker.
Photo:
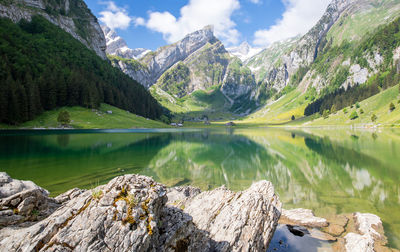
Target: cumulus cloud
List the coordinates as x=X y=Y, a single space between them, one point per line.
x=194 y=16
x=299 y=17
x=139 y=21
x=115 y=17
x=256 y=1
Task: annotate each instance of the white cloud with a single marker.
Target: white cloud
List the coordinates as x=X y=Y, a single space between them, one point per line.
x=139 y=21
x=194 y=16
x=256 y=1
x=299 y=17
x=115 y=17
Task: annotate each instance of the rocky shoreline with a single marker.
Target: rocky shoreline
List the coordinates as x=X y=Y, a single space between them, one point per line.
x=135 y=213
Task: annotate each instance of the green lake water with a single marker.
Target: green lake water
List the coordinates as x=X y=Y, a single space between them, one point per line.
x=329 y=171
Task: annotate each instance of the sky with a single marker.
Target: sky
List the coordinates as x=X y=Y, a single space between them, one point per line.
x=154 y=23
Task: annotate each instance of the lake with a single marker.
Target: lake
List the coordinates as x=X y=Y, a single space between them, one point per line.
x=329 y=171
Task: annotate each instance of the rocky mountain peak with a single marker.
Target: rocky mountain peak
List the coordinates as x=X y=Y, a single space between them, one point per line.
x=199 y=37
x=244 y=51
x=117 y=46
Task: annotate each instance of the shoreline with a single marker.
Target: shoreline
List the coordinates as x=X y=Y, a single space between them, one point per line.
x=344 y=232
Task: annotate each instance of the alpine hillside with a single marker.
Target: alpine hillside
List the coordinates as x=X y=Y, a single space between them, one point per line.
x=196 y=74
x=52 y=55
x=351 y=47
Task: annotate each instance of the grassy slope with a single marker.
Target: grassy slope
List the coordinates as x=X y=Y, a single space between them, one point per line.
x=362 y=22
x=280 y=111
x=377 y=104
x=83 y=118
x=210 y=102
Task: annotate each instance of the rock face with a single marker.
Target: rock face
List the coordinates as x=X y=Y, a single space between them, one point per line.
x=282 y=63
x=72 y=16
x=131 y=213
x=297 y=52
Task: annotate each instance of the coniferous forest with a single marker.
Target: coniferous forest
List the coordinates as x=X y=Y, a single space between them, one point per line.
x=42 y=67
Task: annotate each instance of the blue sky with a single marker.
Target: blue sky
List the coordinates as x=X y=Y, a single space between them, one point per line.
x=154 y=23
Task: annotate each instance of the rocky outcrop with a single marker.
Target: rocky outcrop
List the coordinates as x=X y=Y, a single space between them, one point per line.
x=357 y=232
x=369 y=234
x=73 y=17
x=229 y=219
x=302 y=217
x=22 y=201
x=132 y=213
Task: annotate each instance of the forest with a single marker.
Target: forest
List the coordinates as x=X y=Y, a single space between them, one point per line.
x=43 y=67
x=384 y=41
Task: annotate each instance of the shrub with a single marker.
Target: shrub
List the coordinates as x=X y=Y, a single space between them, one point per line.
x=333 y=109
x=361 y=111
x=391 y=107
x=374 y=118
x=325 y=114
x=357 y=105
x=345 y=110
x=63 y=117
x=353 y=115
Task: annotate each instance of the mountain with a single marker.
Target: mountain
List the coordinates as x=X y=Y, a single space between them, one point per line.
x=198 y=62
x=73 y=16
x=343 y=21
x=118 y=47
x=44 y=67
x=348 y=56
x=244 y=51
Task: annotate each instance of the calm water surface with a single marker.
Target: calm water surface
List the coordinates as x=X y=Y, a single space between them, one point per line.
x=329 y=171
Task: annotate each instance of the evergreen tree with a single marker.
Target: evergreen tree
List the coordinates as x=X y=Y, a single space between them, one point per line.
x=374 y=118
x=63 y=117
x=391 y=107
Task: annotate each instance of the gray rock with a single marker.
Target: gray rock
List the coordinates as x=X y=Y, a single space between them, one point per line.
x=9 y=186
x=359 y=243
x=233 y=220
x=370 y=233
x=302 y=217
x=23 y=201
x=130 y=214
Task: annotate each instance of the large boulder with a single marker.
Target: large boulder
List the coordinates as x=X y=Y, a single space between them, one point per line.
x=22 y=201
x=131 y=213
x=241 y=221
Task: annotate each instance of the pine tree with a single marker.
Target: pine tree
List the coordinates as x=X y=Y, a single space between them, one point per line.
x=391 y=107
x=64 y=118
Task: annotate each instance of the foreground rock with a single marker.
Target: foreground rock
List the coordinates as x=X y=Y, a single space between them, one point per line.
x=22 y=201
x=357 y=232
x=370 y=236
x=241 y=221
x=302 y=217
x=131 y=213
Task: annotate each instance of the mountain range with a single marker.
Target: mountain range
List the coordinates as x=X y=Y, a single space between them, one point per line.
x=249 y=77
x=198 y=77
